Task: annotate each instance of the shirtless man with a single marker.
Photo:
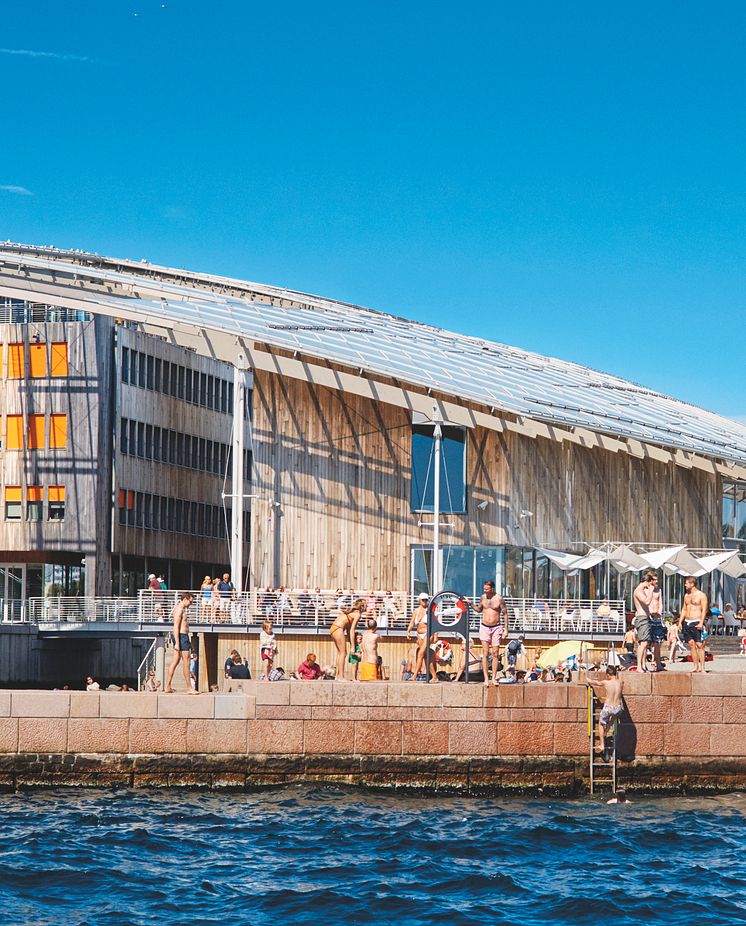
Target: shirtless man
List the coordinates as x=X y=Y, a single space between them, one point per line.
x=643 y=598
x=693 y=613
x=613 y=706
x=658 y=631
x=182 y=640
x=419 y=620
x=368 y=668
x=493 y=627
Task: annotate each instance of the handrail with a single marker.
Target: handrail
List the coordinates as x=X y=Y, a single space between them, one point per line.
x=304 y=610
x=145 y=665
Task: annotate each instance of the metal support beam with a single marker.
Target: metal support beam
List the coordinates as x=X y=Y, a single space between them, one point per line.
x=237 y=490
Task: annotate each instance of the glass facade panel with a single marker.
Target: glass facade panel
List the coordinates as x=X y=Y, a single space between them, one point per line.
x=452 y=469
x=729 y=510
x=741 y=511
x=458 y=569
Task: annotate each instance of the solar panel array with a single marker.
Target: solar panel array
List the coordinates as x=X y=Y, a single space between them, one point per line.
x=495 y=375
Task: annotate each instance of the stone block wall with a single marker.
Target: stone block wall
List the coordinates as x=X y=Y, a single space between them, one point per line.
x=679 y=731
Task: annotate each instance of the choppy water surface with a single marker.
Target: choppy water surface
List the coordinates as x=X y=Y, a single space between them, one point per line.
x=321 y=855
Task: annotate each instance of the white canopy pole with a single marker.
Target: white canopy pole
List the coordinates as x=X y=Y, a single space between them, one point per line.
x=437 y=564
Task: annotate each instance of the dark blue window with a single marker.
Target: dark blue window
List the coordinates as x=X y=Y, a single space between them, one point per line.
x=452 y=469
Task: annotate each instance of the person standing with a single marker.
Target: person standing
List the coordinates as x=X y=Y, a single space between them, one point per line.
x=342 y=631
x=693 y=613
x=493 y=627
x=226 y=591
x=267 y=647
x=419 y=620
x=643 y=598
x=368 y=669
x=182 y=641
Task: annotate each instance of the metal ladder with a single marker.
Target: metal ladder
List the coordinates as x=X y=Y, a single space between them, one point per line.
x=601 y=772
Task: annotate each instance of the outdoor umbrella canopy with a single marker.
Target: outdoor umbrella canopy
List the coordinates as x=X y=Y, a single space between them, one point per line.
x=561 y=651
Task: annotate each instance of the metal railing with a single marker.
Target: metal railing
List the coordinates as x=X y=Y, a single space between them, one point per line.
x=12 y=611
x=81 y=610
x=148 y=663
x=315 y=611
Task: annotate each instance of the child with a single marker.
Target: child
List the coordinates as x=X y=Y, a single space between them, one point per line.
x=672 y=638
x=355 y=655
x=743 y=645
x=267 y=647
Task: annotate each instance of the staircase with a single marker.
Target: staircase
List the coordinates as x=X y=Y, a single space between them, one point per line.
x=723 y=646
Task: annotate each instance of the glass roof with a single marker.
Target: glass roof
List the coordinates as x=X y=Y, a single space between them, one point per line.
x=498 y=376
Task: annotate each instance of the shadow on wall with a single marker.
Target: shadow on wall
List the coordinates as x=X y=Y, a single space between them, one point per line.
x=626 y=747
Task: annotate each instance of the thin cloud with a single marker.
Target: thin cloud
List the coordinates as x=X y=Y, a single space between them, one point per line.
x=18 y=190
x=30 y=53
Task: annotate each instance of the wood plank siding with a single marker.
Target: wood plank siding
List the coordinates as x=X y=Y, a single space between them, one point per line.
x=339 y=467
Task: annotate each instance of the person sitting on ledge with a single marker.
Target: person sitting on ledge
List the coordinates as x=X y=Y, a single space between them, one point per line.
x=90 y=685
x=309 y=670
x=276 y=674
x=239 y=669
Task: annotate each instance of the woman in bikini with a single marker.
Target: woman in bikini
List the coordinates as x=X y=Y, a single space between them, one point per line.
x=343 y=630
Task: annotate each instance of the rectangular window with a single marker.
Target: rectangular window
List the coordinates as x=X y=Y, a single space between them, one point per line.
x=58 y=358
x=179 y=516
x=180 y=385
x=192 y=524
x=179 y=449
x=125 y=364
x=142 y=371
x=140 y=439
x=147 y=517
x=36 y=432
x=223 y=459
x=37 y=360
x=130 y=508
x=148 y=441
x=150 y=377
x=208 y=456
x=210 y=391
x=58 y=432
x=188 y=386
x=452 y=468
x=133 y=367
x=174 y=379
x=138 y=509
x=202 y=455
x=729 y=509
x=188 y=450
x=170 y=507
x=34 y=503
x=14 y=432
x=203 y=389
x=172 y=447
x=230 y=398
x=192 y=452
x=56 y=509
x=166 y=377
x=15 y=361
x=122 y=506
x=157 y=376
x=156 y=443
x=123 y=436
x=156 y=512
x=200 y=519
x=223 y=396
x=133 y=438
x=12 y=503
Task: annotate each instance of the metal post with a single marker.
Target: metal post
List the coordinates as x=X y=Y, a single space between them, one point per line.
x=437 y=565
x=239 y=416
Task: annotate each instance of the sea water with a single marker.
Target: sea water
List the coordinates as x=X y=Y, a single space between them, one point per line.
x=303 y=854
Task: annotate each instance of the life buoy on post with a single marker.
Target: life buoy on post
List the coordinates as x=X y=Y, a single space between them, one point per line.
x=448 y=612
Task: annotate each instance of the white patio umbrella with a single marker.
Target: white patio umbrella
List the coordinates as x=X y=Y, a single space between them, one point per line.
x=727 y=562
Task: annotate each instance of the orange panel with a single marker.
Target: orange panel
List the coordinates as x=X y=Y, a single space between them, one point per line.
x=58 y=432
x=122 y=498
x=12 y=493
x=56 y=493
x=15 y=361
x=36 y=432
x=130 y=500
x=59 y=358
x=14 y=432
x=34 y=493
x=38 y=360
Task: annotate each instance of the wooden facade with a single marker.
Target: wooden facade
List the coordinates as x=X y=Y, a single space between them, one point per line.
x=332 y=476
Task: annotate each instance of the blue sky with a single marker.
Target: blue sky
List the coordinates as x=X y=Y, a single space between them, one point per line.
x=566 y=177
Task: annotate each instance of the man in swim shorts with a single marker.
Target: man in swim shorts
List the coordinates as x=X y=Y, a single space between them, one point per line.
x=693 y=613
x=368 y=669
x=182 y=641
x=613 y=705
x=493 y=627
x=643 y=598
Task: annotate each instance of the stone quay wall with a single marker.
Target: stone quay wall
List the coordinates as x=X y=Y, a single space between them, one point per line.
x=679 y=732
